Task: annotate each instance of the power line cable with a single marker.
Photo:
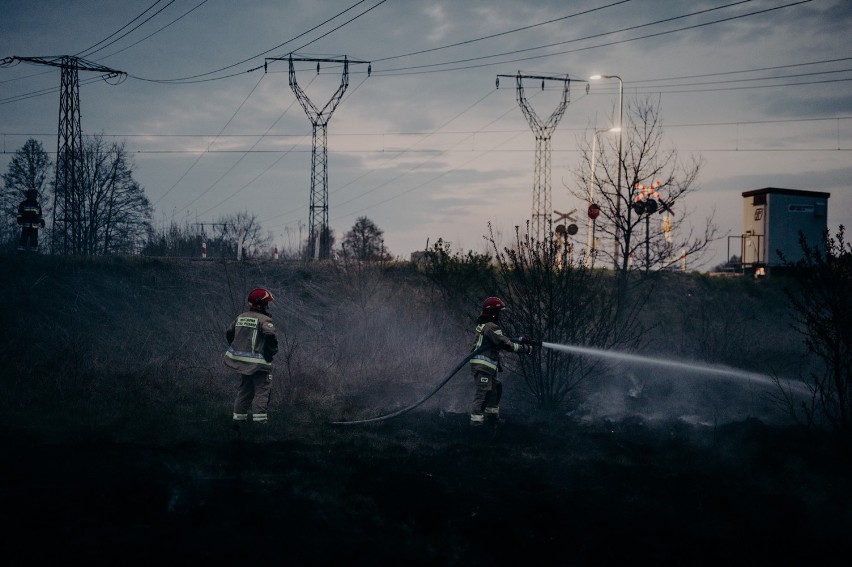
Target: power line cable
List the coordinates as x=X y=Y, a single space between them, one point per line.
x=189 y=78
x=157 y=31
x=46 y=91
x=417 y=166
x=524 y=28
x=703 y=83
x=255 y=178
x=246 y=152
x=340 y=26
x=750 y=87
x=84 y=53
x=447 y=123
x=25 y=77
x=202 y=154
x=411 y=69
x=721 y=73
x=191 y=81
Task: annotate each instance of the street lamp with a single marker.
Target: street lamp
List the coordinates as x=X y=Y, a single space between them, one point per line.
x=590 y=227
x=620 y=127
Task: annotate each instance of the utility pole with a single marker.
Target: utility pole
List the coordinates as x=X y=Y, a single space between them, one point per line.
x=319 y=235
x=542 y=131
x=203 y=235
x=67 y=197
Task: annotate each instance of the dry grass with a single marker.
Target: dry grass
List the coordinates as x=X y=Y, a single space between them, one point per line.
x=132 y=348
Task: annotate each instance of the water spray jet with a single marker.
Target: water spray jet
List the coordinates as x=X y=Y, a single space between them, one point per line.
x=762 y=379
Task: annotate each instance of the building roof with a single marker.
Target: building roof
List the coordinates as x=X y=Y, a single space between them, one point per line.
x=779 y=191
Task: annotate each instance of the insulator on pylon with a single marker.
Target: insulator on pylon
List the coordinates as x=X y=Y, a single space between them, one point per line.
x=318 y=63
x=542 y=85
x=369 y=69
x=497 y=83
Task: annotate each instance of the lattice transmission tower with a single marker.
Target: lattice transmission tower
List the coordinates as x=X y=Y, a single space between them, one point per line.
x=67 y=228
x=543 y=132
x=319 y=233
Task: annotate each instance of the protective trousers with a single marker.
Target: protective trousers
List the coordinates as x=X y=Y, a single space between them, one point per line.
x=253 y=396
x=486 y=398
x=29 y=239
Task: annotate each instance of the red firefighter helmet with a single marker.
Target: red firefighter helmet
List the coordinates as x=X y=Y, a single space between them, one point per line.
x=260 y=298
x=492 y=306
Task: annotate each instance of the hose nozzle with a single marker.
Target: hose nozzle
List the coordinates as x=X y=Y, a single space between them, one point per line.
x=528 y=340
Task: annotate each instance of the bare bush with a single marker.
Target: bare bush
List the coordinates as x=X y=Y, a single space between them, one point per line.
x=821 y=310
x=558 y=299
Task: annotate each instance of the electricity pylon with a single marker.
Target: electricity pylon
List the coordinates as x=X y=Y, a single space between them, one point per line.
x=67 y=196
x=319 y=233
x=542 y=131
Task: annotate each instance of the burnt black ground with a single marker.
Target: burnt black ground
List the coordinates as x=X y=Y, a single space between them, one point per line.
x=426 y=489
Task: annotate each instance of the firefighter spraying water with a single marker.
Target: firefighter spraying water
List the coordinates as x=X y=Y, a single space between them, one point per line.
x=485 y=365
x=484 y=360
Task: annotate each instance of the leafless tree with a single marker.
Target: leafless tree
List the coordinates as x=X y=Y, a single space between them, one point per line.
x=109 y=212
x=650 y=229
x=241 y=235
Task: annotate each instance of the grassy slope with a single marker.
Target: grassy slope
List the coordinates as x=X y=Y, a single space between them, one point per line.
x=131 y=348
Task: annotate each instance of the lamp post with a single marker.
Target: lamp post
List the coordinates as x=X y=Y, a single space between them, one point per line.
x=590 y=231
x=620 y=128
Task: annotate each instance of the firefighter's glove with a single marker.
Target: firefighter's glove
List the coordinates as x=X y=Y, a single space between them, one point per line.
x=528 y=340
x=525 y=349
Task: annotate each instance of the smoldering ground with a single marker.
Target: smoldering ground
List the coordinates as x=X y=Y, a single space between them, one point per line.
x=117 y=441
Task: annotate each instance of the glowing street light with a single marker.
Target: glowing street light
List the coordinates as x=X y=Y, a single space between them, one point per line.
x=620 y=126
x=590 y=227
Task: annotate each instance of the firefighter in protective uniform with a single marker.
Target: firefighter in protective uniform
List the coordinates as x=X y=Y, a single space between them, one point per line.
x=253 y=344
x=30 y=218
x=485 y=365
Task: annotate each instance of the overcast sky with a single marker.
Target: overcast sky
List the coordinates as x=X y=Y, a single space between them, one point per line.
x=426 y=146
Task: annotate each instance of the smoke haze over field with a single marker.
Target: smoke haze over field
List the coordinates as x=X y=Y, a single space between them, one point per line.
x=427 y=147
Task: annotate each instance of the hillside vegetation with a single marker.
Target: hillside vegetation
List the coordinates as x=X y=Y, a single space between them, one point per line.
x=131 y=349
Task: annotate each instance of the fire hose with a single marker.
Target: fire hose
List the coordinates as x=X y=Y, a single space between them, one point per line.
x=523 y=340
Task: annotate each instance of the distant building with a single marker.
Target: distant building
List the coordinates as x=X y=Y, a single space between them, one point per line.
x=772 y=221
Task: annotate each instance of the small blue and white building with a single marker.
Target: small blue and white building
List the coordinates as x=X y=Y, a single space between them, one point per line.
x=773 y=218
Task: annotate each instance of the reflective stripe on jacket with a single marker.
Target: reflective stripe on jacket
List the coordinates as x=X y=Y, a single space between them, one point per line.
x=490 y=335
x=253 y=343
x=29 y=214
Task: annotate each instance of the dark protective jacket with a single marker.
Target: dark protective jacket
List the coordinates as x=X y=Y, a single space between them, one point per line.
x=490 y=335
x=253 y=343
x=30 y=214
